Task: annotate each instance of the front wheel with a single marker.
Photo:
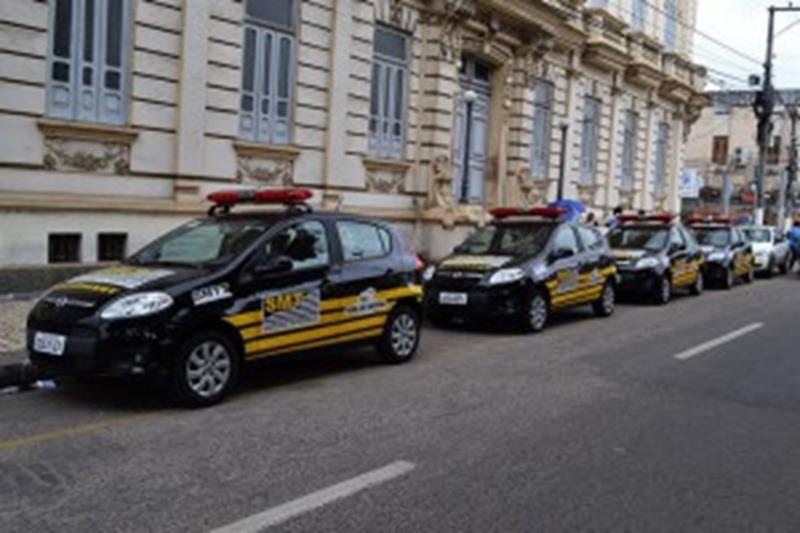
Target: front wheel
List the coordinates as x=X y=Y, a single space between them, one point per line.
x=205 y=370
x=534 y=318
x=400 y=338
x=663 y=293
x=606 y=305
x=750 y=276
x=729 y=278
x=786 y=266
x=699 y=285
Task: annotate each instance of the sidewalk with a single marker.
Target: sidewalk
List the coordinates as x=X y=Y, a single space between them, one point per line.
x=13 y=313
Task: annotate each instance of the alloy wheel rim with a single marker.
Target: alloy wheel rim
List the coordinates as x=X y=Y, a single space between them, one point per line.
x=666 y=290
x=404 y=335
x=208 y=369
x=699 y=284
x=538 y=312
x=609 y=299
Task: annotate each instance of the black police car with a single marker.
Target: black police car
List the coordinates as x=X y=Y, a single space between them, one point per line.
x=728 y=253
x=524 y=265
x=655 y=255
x=220 y=291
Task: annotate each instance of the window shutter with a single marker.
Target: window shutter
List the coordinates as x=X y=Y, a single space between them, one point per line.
x=479 y=141
x=282 y=113
x=458 y=147
x=112 y=64
x=247 y=104
x=61 y=96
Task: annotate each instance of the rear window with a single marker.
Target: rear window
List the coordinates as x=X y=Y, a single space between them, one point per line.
x=361 y=240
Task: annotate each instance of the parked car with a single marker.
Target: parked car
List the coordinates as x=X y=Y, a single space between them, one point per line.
x=218 y=292
x=771 y=249
x=523 y=266
x=656 y=255
x=729 y=256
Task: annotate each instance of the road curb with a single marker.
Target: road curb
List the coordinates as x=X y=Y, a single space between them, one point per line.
x=20 y=375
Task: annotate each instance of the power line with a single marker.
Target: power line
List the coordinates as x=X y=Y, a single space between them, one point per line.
x=703 y=34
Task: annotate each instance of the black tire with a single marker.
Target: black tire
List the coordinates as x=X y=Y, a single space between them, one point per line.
x=699 y=285
x=729 y=280
x=205 y=370
x=663 y=292
x=606 y=305
x=770 y=272
x=536 y=313
x=400 y=339
x=786 y=265
x=750 y=277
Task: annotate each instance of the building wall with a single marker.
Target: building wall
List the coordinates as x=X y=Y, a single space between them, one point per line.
x=181 y=139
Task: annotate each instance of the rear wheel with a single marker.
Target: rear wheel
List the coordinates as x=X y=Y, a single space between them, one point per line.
x=786 y=265
x=535 y=316
x=750 y=276
x=205 y=370
x=699 y=285
x=606 y=305
x=770 y=272
x=400 y=338
x=663 y=292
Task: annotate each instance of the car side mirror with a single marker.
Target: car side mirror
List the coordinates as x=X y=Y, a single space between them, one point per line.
x=277 y=264
x=560 y=253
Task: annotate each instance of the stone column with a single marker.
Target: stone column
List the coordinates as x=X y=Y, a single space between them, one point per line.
x=613 y=156
x=336 y=138
x=192 y=89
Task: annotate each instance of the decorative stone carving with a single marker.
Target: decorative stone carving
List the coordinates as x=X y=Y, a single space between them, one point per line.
x=456 y=12
x=394 y=13
x=263 y=172
x=385 y=180
x=533 y=192
x=532 y=57
x=587 y=192
x=442 y=182
x=86 y=156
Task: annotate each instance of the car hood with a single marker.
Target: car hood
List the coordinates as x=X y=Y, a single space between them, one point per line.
x=476 y=263
x=629 y=254
x=93 y=289
x=761 y=247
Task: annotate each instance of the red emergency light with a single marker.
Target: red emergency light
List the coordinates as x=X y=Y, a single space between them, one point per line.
x=543 y=212
x=268 y=196
x=711 y=219
x=664 y=218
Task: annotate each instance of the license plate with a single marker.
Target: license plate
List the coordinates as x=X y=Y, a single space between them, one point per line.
x=49 y=343
x=453 y=298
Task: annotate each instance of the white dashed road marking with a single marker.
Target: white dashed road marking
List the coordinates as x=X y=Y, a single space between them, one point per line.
x=719 y=341
x=315 y=500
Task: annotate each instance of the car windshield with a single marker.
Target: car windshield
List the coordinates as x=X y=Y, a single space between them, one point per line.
x=639 y=238
x=717 y=237
x=201 y=243
x=757 y=235
x=507 y=239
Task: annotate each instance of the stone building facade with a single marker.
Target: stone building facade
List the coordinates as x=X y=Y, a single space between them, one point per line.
x=117 y=117
x=723 y=143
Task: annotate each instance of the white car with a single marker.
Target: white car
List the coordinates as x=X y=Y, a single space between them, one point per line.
x=772 y=252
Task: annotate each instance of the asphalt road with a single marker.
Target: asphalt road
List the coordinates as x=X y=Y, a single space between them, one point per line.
x=594 y=425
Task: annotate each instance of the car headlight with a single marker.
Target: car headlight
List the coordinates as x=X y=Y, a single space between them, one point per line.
x=137 y=305
x=647 y=262
x=718 y=256
x=428 y=273
x=506 y=275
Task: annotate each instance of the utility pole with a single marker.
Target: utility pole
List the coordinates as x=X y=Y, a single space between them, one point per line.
x=763 y=106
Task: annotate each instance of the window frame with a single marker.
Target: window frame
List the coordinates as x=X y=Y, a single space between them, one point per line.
x=261 y=247
x=279 y=130
x=671 y=24
x=661 y=157
x=590 y=135
x=74 y=90
x=718 y=142
x=630 y=138
x=377 y=227
x=111 y=234
x=541 y=149
x=64 y=234
x=380 y=144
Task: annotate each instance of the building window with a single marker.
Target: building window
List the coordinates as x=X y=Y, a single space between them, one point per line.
x=774 y=151
x=639 y=14
x=589 y=138
x=111 y=246
x=87 y=75
x=629 y=137
x=662 y=149
x=265 y=107
x=542 y=127
x=64 y=248
x=719 y=150
x=387 y=116
x=671 y=24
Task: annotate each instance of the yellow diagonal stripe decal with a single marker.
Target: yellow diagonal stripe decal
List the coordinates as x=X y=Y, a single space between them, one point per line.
x=315 y=333
x=319 y=344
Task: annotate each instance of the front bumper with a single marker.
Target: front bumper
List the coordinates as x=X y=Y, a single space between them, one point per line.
x=715 y=271
x=482 y=302
x=637 y=281
x=761 y=262
x=113 y=350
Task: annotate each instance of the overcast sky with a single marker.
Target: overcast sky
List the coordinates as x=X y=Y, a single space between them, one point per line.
x=743 y=25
